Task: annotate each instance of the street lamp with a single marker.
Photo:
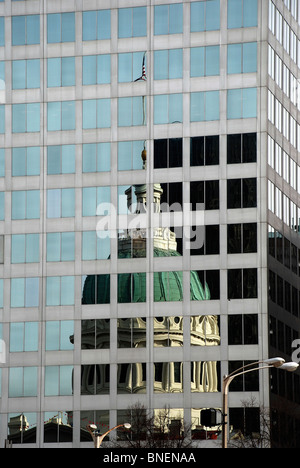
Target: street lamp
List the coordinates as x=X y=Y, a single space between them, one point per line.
x=97 y=438
x=227 y=379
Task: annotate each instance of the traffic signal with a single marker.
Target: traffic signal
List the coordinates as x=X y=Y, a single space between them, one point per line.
x=208 y=417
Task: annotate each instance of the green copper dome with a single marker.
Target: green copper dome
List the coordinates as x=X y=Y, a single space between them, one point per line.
x=168 y=286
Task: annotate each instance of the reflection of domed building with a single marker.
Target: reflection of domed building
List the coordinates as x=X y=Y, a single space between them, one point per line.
x=168 y=331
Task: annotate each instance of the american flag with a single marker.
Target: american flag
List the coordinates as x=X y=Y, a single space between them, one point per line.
x=144 y=76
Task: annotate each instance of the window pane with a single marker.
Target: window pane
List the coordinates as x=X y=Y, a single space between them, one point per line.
x=68 y=115
x=139 y=18
x=234 y=104
x=68 y=71
x=33 y=29
x=250 y=13
x=54 y=72
x=89 y=24
x=212 y=15
x=212 y=65
x=250 y=57
x=235 y=13
x=33 y=74
x=175 y=18
x=89 y=114
x=53 y=28
x=161 y=19
x=18 y=30
x=67 y=27
x=103 y=27
x=19 y=74
x=234 y=57
x=249 y=103
x=125 y=22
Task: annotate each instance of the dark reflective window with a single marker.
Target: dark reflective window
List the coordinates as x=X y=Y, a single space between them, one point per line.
x=96 y=289
x=98 y=417
x=132 y=332
x=243 y=329
x=204 y=151
x=95 y=334
x=242 y=284
x=131 y=287
x=241 y=193
x=168 y=153
x=242 y=238
x=209 y=285
x=131 y=378
x=171 y=198
x=206 y=194
x=205 y=330
x=58 y=427
x=168 y=331
x=22 y=428
x=241 y=148
x=132 y=244
x=168 y=286
x=245 y=421
x=205 y=240
x=205 y=376
x=245 y=383
x=168 y=377
x=95 y=379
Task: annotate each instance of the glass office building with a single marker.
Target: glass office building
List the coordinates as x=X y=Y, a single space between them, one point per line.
x=111 y=115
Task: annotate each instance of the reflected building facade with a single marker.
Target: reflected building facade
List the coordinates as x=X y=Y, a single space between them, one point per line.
x=149 y=214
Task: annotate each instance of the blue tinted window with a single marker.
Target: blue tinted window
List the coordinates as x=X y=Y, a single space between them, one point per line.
x=25 y=248
x=168 y=19
x=96 y=25
x=95 y=201
x=241 y=103
x=242 y=58
x=95 y=245
x=2 y=118
x=26 y=204
x=60 y=290
x=60 y=27
x=131 y=111
x=129 y=155
x=168 y=64
x=2 y=162
x=25 y=30
x=2 y=31
x=96 y=113
x=61 y=116
x=2 y=75
x=26 y=118
x=60 y=246
x=130 y=66
x=242 y=13
x=61 y=203
x=61 y=71
x=205 y=106
x=58 y=335
x=205 y=61
x=132 y=22
x=168 y=108
x=24 y=292
x=205 y=15
x=96 y=157
x=2 y=206
x=95 y=69
x=23 y=337
x=61 y=159
x=26 y=161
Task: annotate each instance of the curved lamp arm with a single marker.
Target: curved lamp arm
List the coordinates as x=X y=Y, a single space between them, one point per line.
x=98 y=439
